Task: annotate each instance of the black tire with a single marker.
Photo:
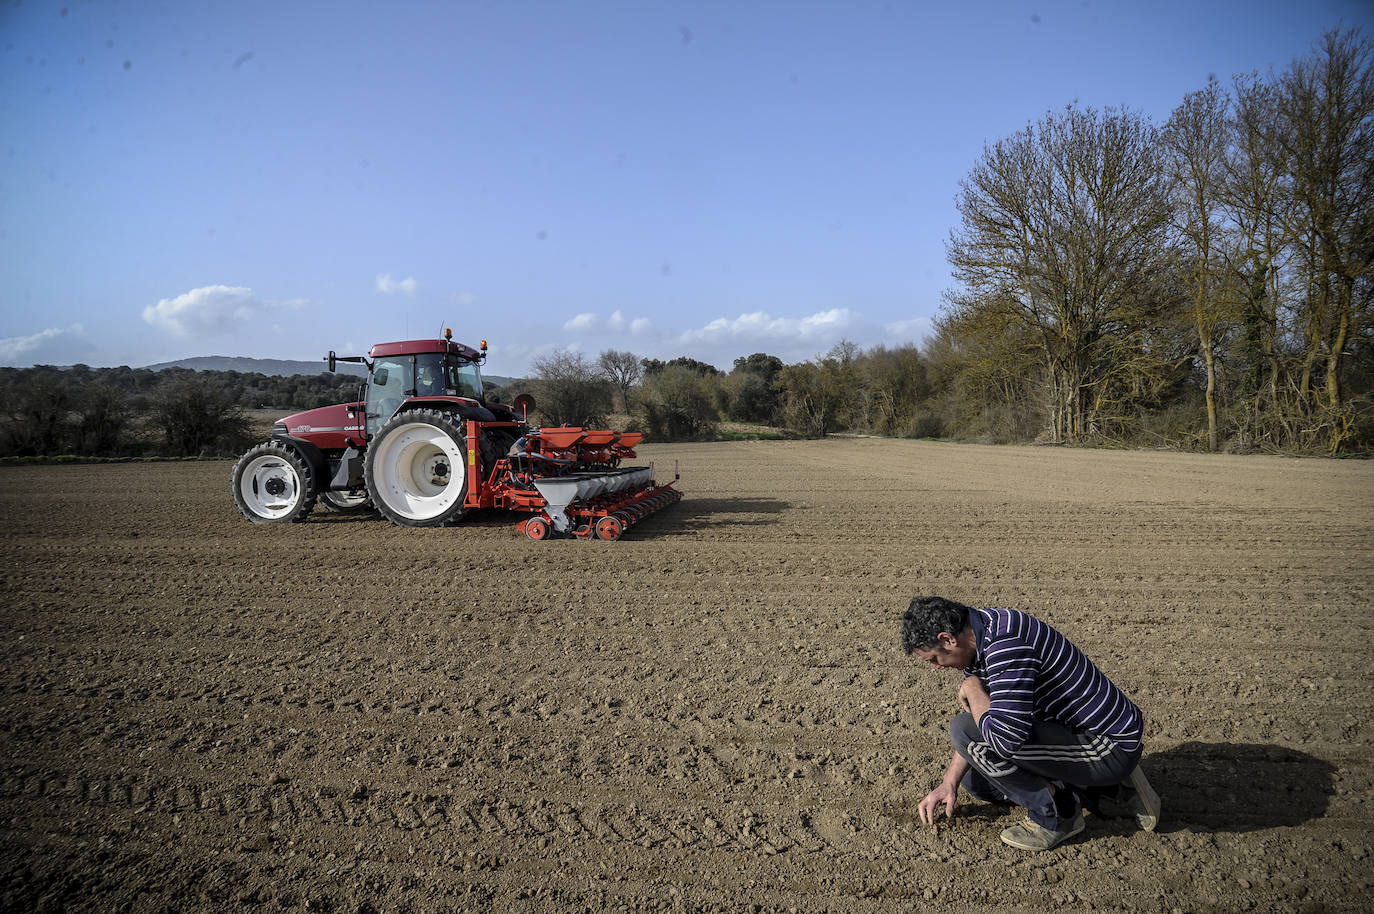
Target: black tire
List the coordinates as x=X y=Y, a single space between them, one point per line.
x=341 y=502
x=416 y=469
x=495 y=445
x=273 y=485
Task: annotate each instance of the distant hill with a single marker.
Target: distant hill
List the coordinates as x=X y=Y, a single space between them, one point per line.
x=281 y=367
x=285 y=367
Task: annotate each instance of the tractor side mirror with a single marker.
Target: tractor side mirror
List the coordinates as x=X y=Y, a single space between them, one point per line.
x=331 y=358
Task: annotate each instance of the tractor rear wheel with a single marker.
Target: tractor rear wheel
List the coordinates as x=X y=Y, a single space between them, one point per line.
x=416 y=469
x=272 y=485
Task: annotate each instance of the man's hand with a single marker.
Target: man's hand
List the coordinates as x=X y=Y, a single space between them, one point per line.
x=973 y=697
x=942 y=794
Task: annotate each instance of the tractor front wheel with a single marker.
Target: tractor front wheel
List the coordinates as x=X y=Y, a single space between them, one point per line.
x=416 y=469
x=272 y=485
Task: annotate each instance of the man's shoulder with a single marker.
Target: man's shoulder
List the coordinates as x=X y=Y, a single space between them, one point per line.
x=1008 y=622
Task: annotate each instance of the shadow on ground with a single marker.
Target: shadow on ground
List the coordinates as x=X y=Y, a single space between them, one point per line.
x=687 y=516
x=693 y=514
x=1205 y=787
x=1238 y=787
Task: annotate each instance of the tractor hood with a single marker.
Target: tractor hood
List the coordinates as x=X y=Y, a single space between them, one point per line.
x=326 y=427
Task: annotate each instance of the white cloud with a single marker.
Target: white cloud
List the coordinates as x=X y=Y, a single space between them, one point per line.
x=908 y=331
x=209 y=309
x=388 y=286
x=828 y=321
x=615 y=324
x=718 y=341
x=14 y=348
x=759 y=326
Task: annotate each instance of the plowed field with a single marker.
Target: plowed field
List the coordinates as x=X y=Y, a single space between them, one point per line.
x=712 y=714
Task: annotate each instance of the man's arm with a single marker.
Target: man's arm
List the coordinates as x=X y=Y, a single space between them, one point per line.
x=973 y=696
x=1006 y=719
x=947 y=792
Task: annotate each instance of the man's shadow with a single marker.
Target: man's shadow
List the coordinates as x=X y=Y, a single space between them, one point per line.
x=1237 y=787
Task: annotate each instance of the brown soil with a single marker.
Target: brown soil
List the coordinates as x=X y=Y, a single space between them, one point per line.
x=199 y=713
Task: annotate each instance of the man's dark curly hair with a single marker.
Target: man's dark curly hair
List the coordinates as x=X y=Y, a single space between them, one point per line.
x=926 y=617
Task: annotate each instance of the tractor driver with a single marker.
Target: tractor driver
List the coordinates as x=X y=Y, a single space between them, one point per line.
x=1042 y=727
x=428 y=383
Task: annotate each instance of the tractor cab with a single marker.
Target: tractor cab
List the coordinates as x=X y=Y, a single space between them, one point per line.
x=420 y=368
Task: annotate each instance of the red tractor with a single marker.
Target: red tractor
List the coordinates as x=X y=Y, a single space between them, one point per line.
x=424 y=447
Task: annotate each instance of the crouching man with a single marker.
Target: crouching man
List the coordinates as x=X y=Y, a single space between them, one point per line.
x=1042 y=727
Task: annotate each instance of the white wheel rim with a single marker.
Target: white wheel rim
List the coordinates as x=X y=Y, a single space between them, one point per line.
x=420 y=471
x=270 y=487
x=344 y=499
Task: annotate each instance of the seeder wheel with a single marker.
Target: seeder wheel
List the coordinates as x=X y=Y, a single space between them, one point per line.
x=536 y=528
x=609 y=528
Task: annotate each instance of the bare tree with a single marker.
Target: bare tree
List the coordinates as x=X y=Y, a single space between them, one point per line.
x=1257 y=202
x=571 y=390
x=1326 y=106
x=1063 y=225
x=812 y=396
x=623 y=369
x=1196 y=141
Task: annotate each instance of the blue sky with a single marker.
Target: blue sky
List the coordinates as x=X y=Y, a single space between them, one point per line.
x=277 y=179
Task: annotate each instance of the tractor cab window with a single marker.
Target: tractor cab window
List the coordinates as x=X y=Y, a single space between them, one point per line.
x=463 y=379
x=440 y=376
x=430 y=377
x=386 y=390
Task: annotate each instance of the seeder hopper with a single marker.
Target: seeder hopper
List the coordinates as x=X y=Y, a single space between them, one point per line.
x=423 y=446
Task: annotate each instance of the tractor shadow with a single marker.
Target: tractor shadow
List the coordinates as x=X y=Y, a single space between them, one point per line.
x=485 y=517
x=692 y=515
x=494 y=517
x=1237 y=787
x=689 y=516
x=322 y=516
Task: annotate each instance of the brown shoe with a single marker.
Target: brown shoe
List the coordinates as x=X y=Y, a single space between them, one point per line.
x=1032 y=837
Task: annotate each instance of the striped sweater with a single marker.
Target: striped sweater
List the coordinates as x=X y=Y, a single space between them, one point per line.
x=1033 y=672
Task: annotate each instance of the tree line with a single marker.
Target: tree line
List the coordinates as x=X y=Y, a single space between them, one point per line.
x=127 y=412
x=1204 y=284
x=884 y=390
x=1207 y=281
